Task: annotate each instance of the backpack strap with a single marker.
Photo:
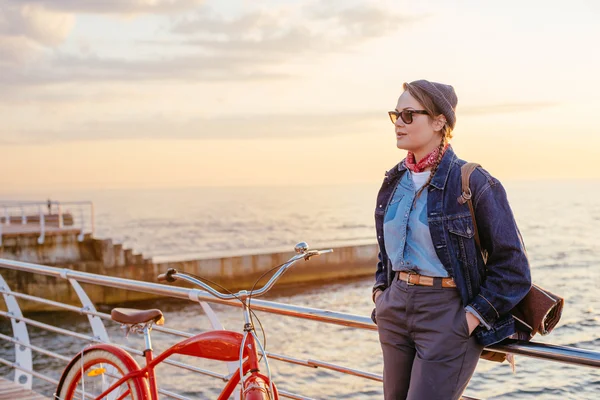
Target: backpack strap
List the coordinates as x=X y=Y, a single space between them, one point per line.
x=465 y=172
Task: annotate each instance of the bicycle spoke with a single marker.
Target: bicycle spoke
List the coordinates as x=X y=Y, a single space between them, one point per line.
x=97 y=379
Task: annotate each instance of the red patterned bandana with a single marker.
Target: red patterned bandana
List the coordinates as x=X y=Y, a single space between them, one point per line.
x=426 y=162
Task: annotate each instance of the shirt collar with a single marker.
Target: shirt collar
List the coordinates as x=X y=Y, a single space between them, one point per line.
x=441 y=174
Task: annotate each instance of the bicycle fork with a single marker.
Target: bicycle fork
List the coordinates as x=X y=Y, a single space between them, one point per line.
x=255 y=387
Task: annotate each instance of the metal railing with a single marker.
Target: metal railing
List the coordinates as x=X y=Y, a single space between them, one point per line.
x=40 y=214
x=563 y=354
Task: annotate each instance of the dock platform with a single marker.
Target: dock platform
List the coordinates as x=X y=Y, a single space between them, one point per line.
x=12 y=391
x=28 y=229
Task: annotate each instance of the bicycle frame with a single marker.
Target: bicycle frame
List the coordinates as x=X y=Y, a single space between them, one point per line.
x=214 y=345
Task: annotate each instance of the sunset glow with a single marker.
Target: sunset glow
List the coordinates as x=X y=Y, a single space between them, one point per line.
x=202 y=93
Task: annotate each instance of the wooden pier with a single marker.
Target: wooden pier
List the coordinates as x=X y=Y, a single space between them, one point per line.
x=12 y=391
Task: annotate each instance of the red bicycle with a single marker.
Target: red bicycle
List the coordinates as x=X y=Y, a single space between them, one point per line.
x=105 y=371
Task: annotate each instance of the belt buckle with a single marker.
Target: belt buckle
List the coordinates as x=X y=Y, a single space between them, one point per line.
x=408 y=274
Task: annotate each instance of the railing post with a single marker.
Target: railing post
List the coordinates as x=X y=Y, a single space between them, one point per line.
x=217 y=325
x=23 y=216
x=95 y=322
x=22 y=353
x=6 y=216
x=93 y=217
x=60 y=216
x=80 y=236
x=42 y=236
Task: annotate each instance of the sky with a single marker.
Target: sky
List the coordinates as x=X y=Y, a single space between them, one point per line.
x=179 y=93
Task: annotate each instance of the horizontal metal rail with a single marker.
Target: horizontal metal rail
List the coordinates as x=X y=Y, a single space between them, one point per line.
x=349 y=371
x=95 y=340
x=85 y=311
x=307 y=363
x=552 y=352
x=36 y=374
x=289 y=395
x=549 y=352
x=36 y=348
x=331 y=317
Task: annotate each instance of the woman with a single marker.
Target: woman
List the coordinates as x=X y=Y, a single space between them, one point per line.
x=437 y=302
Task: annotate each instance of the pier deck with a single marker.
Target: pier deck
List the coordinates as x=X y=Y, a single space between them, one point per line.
x=27 y=229
x=11 y=391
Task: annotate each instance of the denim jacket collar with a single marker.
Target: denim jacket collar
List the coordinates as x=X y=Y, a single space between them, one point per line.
x=441 y=174
x=443 y=171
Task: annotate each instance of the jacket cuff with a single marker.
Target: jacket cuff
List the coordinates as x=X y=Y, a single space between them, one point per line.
x=375 y=292
x=485 y=309
x=479 y=317
x=380 y=286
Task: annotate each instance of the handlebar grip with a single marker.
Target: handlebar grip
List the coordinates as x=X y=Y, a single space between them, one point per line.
x=168 y=276
x=313 y=253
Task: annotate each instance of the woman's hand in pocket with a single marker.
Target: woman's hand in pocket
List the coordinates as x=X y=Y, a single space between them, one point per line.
x=472 y=322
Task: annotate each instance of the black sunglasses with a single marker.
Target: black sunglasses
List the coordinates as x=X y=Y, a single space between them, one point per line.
x=405 y=115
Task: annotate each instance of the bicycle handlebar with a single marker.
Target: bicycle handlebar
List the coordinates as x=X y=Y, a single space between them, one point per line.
x=167 y=276
x=302 y=248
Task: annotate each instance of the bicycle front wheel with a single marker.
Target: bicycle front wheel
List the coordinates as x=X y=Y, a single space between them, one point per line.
x=89 y=376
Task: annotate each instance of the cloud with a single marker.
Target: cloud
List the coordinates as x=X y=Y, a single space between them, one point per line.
x=73 y=69
x=228 y=127
x=118 y=6
x=206 y=46
x=233 y=127
x=29 y=26
x=362 y=21
x=27 y=29
x=289 y=33
x=16 y=51
x=505 y=108
x=47 y=28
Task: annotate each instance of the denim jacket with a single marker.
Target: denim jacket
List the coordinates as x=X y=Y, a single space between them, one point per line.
x=491 y=288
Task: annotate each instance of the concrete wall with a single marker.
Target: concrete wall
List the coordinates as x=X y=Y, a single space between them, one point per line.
x=60 y=246
x=105 y=258
x=241 y=272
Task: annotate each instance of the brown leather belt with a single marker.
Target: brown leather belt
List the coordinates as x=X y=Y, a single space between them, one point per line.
x=412 y=278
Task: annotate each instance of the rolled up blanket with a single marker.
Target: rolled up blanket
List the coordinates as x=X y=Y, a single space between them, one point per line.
x=539 y=311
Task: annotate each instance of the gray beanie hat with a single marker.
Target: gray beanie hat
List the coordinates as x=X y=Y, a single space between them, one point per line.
x=443 y=96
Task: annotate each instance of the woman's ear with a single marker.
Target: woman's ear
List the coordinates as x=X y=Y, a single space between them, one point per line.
x=439 y=122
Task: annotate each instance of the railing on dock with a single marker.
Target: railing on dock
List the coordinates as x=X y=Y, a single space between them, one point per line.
x=23 y=348
x=41 y=217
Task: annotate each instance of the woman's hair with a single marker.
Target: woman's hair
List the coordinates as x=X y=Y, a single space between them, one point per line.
x=428 y=105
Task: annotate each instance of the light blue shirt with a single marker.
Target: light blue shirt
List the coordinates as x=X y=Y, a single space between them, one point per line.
x=406 y=231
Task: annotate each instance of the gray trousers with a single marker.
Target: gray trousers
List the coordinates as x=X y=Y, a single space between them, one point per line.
x=427 y=351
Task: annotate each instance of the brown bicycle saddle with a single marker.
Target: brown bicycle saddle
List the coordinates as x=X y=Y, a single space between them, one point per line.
x=131 y=316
